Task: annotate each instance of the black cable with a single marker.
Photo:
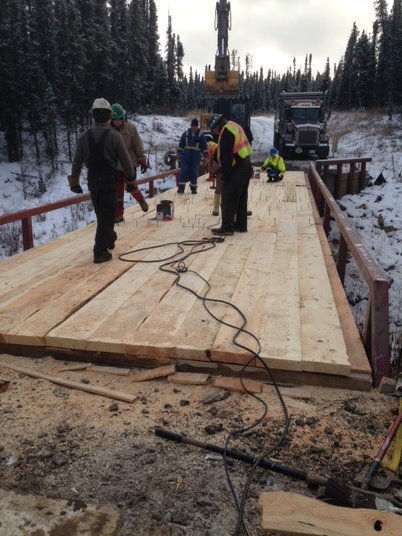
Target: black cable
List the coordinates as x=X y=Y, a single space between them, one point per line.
x=177 y=267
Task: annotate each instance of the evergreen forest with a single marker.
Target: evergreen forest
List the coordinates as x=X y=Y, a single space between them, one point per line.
x=56 y=56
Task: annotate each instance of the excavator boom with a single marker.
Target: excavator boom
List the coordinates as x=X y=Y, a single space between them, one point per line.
x=222 y=80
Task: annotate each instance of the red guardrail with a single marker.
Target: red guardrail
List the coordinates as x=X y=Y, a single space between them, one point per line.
x=375 y=334
x=25 y=216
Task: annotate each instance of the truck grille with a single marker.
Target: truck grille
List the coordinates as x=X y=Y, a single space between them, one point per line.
x=307 y=137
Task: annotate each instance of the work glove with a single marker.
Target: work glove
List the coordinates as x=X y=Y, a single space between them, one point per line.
x=74 y=183
x=144 y=165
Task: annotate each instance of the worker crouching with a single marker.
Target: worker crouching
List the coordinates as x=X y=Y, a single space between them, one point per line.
x=274 y=166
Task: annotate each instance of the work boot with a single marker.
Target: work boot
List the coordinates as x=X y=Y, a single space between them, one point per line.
x=249 y=213
x=114 y=240
x=180 y=190
x=104 y=256
x=137 y=194
x=144 y=206
x=220 y=231
x=193 y=189
x=217 y=202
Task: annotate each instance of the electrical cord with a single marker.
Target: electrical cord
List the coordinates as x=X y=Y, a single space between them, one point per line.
x=176 y=265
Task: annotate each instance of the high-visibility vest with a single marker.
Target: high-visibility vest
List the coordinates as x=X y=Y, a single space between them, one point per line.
x=241 y=145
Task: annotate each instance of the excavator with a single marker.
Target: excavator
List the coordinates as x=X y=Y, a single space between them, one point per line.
x=223 y=84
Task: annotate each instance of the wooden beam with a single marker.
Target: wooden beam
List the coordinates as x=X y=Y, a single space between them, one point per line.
x=102 y=391
x=290 y=514
x=151 y=374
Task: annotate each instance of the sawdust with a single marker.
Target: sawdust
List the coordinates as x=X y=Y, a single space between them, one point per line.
x=69 y=444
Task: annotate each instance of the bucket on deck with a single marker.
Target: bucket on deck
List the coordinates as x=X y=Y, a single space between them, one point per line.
x=165 y=210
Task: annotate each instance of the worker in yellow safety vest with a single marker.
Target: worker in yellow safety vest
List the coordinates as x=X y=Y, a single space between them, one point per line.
x=233 y=154
x=274 y=166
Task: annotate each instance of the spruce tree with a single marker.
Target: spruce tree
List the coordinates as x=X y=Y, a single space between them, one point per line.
x=346 y=97
x=386 y=60
x=119 y=51
x=13 y=81
x=138 y=90
x=364 y=72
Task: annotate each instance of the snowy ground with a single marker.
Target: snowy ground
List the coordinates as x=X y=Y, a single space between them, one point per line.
x=375 y=213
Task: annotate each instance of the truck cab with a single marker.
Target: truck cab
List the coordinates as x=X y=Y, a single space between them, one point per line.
x=300 y=125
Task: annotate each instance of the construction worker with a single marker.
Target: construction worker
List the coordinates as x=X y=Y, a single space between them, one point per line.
x=233 y=154
x=101 y=149
x=274 y=166
x=136 y=153
x=192 y=146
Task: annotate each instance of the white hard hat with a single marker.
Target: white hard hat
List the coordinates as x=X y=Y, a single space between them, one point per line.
x=101 y=104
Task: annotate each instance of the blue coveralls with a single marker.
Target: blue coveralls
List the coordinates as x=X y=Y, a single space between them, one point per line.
x=190 y=147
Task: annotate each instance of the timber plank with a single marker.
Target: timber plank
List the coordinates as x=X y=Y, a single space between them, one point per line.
x=189 y=378
x=249 y=296
x=152 y=374
x=281 y=331
x=324 y=348
x=355 y=349
x=290 y=514
x=102 y=391
x=165 y=324
x=22 y=514
x=55 y=297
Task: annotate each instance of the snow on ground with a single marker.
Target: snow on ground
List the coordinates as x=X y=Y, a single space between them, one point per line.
x=375 y=213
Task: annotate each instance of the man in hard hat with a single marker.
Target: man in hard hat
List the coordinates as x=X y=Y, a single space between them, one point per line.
x=274 y=166
x=233 y=154
x=101 y=149
x=192 y=146
x=136 y=153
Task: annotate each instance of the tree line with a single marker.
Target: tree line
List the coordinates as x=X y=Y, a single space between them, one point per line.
x=56 y=56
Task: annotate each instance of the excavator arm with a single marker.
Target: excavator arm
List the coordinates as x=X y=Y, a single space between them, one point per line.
x=223 y=23
x=222 y=81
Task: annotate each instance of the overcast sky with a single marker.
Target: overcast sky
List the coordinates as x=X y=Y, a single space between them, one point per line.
x=272 y=31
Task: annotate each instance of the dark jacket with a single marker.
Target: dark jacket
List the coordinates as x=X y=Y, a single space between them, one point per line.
x=115 y=152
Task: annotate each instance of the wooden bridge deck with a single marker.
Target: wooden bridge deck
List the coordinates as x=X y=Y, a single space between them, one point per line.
x=53 y=299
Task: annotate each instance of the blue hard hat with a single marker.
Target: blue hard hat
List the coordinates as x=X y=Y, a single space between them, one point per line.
x=273 y=151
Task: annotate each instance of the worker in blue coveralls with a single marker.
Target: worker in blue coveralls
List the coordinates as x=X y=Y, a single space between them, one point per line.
x=192 y=146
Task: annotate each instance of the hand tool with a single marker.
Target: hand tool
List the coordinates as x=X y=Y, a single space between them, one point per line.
x=397 y=447
x=338 y=492
x=376 y=463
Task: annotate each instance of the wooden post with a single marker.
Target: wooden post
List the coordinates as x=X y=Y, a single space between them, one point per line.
x=380 y=350
x=151 y=191
x=338 y=181
x=351 y=179
x=27 y=235
x=342 y=257
x=362 y=176
x=327 y=217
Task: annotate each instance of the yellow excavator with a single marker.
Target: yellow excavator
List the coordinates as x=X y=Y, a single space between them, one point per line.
x=222 y=85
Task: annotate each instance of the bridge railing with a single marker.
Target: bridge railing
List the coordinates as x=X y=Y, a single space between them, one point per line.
x=375 y=333
x=340 y=181
x=25 y=216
